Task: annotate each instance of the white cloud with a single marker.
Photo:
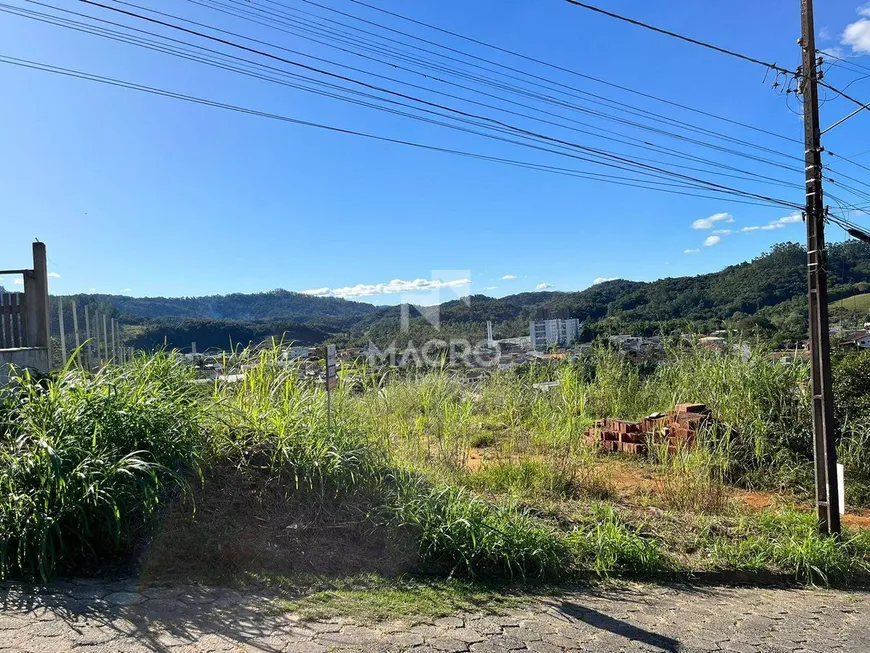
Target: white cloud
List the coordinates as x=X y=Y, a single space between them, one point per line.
x=780 y=223
x=707 y=223
x=509 y=277
x=691 y=251
x=543 y=286
x=864 y=10
x=394 y=287
x=318 y=292
x=54 y=275
x=19 y=282
x=712 y=240
x=723 y=232
x=835 y=52
x=490 y=288
x=93 y=290
x=127 y=290
x=857 y=34
x=603 y=280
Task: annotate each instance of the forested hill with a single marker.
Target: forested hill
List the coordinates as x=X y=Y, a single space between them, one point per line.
x=769 y=291
x=330 y=312
x=221 y=320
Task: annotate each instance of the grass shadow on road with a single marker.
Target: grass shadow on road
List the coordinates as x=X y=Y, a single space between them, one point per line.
x=157 y=619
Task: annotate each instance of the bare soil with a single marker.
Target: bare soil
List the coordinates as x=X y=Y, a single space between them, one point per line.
x=237 y=524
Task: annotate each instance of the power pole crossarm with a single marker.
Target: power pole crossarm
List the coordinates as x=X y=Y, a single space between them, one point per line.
x=825 y=453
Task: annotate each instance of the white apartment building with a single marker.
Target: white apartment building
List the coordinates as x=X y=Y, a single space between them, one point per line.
x=549 y=333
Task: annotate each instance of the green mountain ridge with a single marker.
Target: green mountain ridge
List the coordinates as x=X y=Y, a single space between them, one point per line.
x=769 y=292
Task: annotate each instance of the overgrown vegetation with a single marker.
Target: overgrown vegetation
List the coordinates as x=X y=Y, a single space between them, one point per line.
x=85 y=461
x=491 y=480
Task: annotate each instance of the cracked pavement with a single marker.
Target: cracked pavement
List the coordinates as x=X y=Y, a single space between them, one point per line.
x=104 y=617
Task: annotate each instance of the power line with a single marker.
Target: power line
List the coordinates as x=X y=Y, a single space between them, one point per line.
x=644 y=144
x=526 y=58
x=721 y=50
x=622 y=163
x=849 y=160
x=212 y=103
x=294 y=19
x=609 y=102
x=186 y=54
x=711 y=185
x=844 y=62
x=862 y=105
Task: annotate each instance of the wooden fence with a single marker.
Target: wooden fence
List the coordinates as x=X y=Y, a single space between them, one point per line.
x=13 y=325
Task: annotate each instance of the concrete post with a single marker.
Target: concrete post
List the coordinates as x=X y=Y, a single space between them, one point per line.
x=97 y=341
x=90 y=347
x=63 y=356
x=105 y=339
x=114 y=341
x=76 y=329
x=37 y=322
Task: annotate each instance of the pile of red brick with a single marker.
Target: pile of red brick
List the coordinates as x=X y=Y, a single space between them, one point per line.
x=680 y=426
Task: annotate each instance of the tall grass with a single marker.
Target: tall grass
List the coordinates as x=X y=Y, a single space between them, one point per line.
x=274 y=422
x=788 y=540
x=85 y=459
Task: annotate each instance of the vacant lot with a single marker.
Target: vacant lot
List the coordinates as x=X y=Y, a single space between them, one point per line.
x=140 y=469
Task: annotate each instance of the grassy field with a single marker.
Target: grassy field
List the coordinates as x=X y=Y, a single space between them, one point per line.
x=136 y=468
x=855 y=303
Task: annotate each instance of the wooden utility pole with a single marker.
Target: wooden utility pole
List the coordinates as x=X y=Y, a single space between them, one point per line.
x=827 y=490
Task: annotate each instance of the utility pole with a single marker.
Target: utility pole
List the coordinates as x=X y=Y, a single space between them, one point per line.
x=827 y=490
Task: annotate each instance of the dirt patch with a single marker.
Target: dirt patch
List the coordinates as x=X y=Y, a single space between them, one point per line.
x=858 y=519
x=631 y=479
x=239 y=523
x=756 y=500
x=475 y=459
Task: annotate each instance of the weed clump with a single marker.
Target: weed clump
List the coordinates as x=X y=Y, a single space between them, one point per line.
x=85 y=460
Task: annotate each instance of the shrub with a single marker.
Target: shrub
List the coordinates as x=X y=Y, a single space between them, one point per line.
x=463 y=534
x=606 y=545
x=85 y=458
x=788 y=540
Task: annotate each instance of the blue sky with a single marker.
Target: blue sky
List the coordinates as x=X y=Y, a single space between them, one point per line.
x=146 y=195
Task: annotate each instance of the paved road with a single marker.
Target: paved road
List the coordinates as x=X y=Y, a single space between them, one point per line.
x=91 y=617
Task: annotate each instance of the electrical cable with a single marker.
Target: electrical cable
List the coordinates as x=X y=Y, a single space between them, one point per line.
x=332 y=128
x=164 y=49
x=710 y=185
x=524 y=57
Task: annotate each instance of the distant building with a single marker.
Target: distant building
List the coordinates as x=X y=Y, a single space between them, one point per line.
x=550 y=333
x=713 y=342
x=631 y=343
x=509 y=345
x=860 y=339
